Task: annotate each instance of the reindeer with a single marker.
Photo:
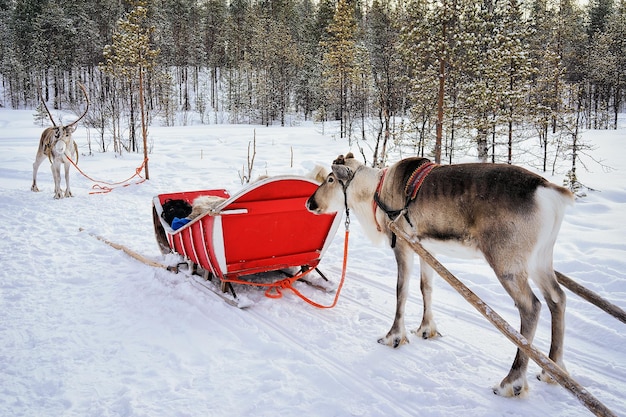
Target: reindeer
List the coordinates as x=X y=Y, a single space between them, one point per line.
x=502 y=213
x=57 y=145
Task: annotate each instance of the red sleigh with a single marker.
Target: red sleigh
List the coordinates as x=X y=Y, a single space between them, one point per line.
x=264 y=227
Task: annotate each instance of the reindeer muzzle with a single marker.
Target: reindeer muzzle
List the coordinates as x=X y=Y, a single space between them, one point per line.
x=59 y=147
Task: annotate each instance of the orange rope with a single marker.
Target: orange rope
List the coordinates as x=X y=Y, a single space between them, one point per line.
x=274 y=290
x=105 y=188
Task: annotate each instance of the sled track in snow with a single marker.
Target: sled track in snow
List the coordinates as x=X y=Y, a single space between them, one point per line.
x=414 y=306
x=589 y=365
x=376 y=290
x=357 y=383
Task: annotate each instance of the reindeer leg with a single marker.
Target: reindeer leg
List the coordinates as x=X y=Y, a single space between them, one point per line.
x=38 y=160
x=404 y=259
x=66 y=166
x=56 y=174
x=556 y=300
x=428 y=328
x=516 y=284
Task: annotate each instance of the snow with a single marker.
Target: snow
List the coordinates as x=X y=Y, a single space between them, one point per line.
x=86 y=330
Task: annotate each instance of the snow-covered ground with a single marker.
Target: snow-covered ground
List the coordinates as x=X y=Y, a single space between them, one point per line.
x=85 y=330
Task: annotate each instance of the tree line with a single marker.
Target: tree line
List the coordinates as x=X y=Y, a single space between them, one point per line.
x=441 y=77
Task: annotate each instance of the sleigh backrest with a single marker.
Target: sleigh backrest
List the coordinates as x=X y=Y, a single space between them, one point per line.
x=269 y=221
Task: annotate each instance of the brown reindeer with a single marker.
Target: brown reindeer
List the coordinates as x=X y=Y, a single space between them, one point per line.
x=57 y=145
x=503 y=213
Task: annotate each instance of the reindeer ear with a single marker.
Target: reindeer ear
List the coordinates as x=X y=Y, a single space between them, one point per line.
x=342 y=172
x=340 y=160
x=319 y=174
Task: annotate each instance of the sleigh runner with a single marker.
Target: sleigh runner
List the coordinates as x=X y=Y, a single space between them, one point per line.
x=262 y=228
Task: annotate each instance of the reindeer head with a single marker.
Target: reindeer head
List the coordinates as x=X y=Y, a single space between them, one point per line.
x=330 y=195
x=60 y=140
x=57 y=139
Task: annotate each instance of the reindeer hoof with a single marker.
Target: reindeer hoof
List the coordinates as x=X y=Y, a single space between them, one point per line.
x=34 y=188
x=393 y=341
x=517 y=388
x=545 y=377
x=427 y=332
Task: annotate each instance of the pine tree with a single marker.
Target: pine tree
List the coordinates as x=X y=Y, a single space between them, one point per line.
x=387 y=71
x=238 y=28
x=213 y=28
x=616 y=30
x=275 y=59
x=516 y=67
x=599 y=12
x=430 y=43
x=130 y=56
x=339 y=62
x=307 y=89
x=549 y=73
x=419 y=52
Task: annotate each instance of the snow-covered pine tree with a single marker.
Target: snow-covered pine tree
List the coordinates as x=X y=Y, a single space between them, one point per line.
x=130 y=57
x=387 y=68
x=339 y=63
x=616 y=30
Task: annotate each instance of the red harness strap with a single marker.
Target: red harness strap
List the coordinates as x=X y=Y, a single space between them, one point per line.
x=416 y=179
x=374 y=203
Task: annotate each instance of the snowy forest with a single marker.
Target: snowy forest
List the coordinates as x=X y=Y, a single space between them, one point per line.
x=444 y=77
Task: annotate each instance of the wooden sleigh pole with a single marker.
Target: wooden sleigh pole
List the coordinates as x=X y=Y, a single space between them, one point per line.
x=132 y=253
x=560 y=376
x=590 y=296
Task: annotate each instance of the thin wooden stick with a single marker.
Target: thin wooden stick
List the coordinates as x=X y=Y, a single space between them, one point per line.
x=591 y=296
x=588 y=400
x=132 y=253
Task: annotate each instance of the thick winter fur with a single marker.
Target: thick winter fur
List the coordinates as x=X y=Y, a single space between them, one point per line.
x=505 y=214
x=56 y=145
x=204 y=204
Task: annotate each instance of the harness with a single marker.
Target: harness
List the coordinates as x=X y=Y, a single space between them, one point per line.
x=345 y=193
x=411 y=189
x=59 y=145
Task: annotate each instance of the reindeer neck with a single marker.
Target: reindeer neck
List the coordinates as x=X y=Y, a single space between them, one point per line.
x=360 y=200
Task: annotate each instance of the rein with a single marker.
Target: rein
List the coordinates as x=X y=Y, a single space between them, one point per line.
x=103 y=187
x=274 y=290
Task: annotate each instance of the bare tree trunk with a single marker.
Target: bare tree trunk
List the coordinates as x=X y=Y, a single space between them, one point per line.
x=510 y=155
x=132 y=146
x=442 y=85
x=144 y=131
x=482 y=145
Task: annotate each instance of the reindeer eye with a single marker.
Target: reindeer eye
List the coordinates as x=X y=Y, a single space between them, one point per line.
x=331 y=179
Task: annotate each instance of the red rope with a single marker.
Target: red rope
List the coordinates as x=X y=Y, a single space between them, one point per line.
x=110 y=186
x=274 y=290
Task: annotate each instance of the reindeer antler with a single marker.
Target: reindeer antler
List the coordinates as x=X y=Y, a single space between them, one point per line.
x=82 y=87
x=46 y=107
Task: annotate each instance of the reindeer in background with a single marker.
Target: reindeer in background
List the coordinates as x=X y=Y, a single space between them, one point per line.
x=57 y=145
